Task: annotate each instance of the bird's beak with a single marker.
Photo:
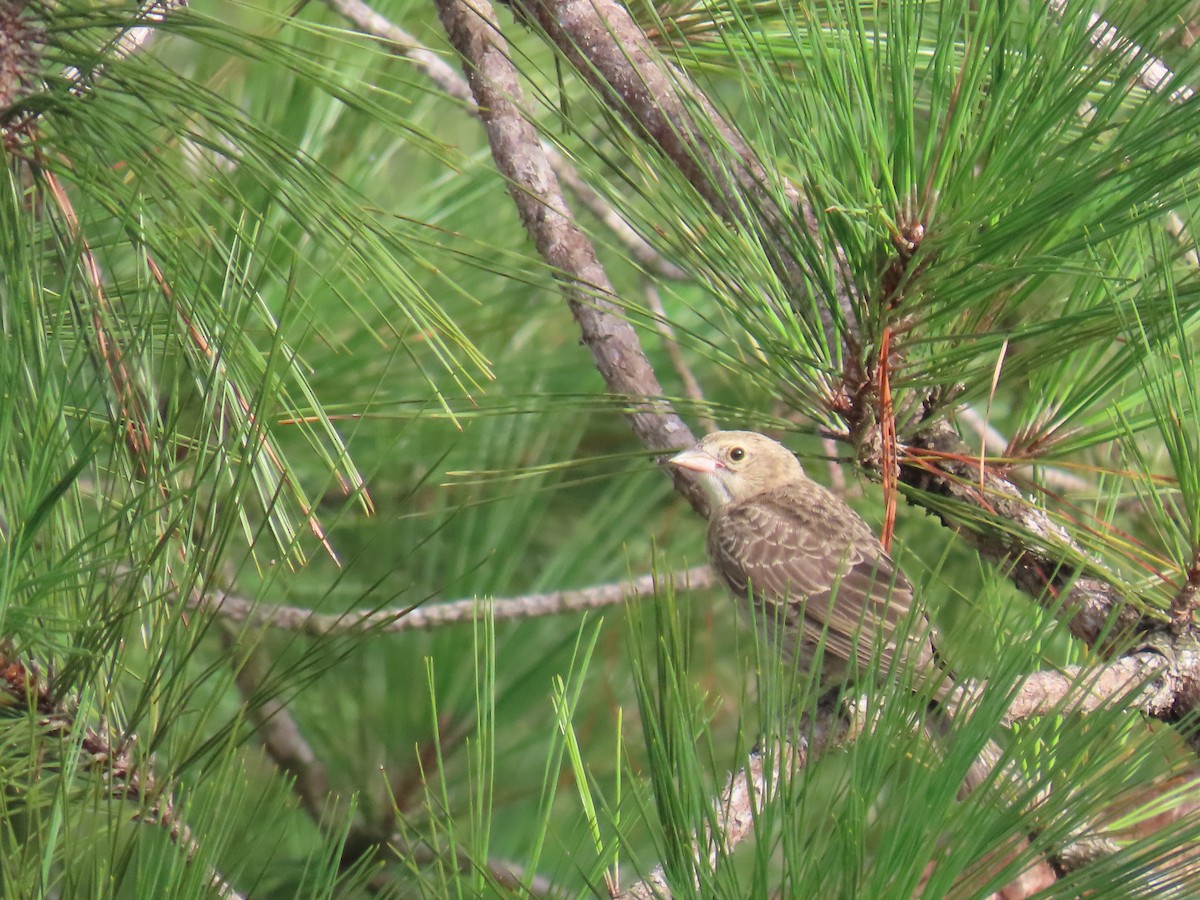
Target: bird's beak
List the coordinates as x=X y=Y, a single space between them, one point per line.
x=696 y=460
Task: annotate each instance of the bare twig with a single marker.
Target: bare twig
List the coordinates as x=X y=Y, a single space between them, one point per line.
x=287 y=747
x=645 y=255
x=436 y=615
x=364 y=17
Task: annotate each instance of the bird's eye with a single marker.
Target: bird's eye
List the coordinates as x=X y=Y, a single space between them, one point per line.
x=737 y=454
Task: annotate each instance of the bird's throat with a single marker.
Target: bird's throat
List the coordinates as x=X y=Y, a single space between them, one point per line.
x=717 y=493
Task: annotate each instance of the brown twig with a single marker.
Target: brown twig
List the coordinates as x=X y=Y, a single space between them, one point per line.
x=427 y=616
x=888 y=457
x=634 y=244
x=275 y=726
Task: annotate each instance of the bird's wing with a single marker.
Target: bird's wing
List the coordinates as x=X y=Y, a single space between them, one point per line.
x=804 y=544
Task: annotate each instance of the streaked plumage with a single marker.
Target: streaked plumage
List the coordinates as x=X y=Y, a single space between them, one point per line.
x=809 y=562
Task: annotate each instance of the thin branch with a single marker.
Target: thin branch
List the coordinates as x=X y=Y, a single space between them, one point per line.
x=405 y=45
x=535 y=190
x=287 y=747
x=635 y=245
x=437 y=615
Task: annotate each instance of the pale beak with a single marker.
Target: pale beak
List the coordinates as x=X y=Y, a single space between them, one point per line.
x=696 y=460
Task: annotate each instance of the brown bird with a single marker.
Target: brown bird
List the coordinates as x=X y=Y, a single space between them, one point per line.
x=809 y=563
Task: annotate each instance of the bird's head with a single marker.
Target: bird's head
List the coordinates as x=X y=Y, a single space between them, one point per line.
x=734 y=465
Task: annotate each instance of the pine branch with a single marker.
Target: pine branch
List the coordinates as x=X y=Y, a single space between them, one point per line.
x=608 y=49
x=1141 y=681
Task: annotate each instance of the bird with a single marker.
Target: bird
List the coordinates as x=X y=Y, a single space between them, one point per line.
x=804 y=564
